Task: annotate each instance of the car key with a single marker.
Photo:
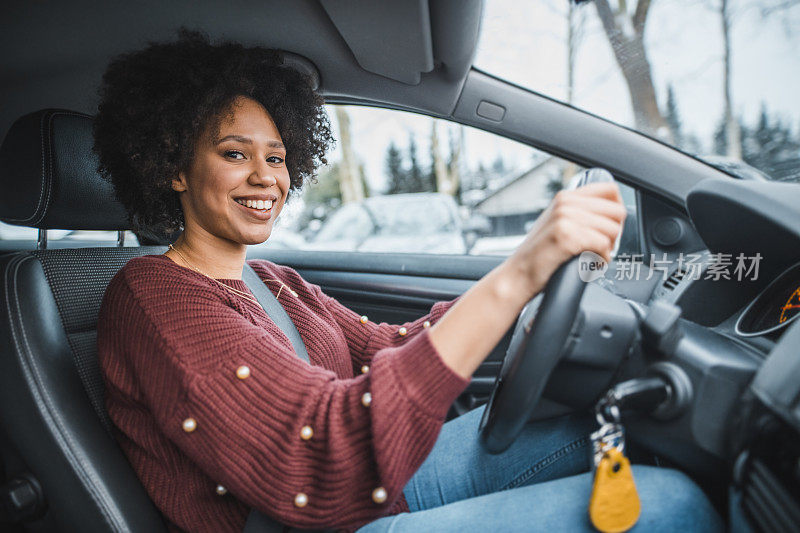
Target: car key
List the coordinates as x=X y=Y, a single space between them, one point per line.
x=614 y=505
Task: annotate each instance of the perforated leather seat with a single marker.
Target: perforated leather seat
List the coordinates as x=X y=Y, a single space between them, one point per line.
x=55 y=432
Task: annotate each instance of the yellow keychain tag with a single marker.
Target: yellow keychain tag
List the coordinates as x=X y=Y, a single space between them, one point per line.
x=614 y=505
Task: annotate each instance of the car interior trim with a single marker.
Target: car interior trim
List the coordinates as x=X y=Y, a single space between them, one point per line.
x=581 y=137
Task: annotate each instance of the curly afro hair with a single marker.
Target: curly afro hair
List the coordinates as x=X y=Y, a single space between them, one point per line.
x=156 y=103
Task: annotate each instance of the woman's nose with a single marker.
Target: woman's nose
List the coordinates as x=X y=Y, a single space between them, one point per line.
x=263 y=175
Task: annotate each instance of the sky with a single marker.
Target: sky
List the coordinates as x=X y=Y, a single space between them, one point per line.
x=525 y=42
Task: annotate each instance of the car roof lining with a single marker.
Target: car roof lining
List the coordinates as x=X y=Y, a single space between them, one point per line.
x=56 y=51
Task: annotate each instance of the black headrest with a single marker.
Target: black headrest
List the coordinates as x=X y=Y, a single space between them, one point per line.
x=49 y=178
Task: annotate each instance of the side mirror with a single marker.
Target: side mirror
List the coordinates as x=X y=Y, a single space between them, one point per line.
x=473 y=227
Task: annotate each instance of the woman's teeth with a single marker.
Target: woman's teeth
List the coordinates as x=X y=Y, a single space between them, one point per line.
x=256 y=204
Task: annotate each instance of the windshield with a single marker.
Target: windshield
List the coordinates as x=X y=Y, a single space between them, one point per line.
x=714 y=78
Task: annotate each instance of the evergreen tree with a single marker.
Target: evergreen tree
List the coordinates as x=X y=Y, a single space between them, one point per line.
x=480 y=179
x=769 y=146
x=394 y=169
x=499 y=166
x=673 y=117
x=411 y=178
x=721 y=138
x=415 y=180
x=692 y=144
x=324 y=192
x=763 y=131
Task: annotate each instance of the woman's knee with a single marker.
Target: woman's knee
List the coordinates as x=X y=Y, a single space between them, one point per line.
x=671 y=501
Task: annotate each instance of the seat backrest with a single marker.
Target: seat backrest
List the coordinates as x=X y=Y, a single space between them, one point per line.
x=52 y=417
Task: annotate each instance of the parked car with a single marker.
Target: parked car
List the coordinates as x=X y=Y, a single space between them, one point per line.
x=411 y=222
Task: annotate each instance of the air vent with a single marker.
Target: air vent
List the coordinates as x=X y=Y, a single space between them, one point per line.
x=768 y=503
x=674 y=279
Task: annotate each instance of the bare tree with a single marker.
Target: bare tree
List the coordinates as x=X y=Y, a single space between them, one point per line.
x=732 y=131
x=787 y=10
x=779 y=6
x=441 y=176
x=349 y=177
x=625 y=32
x=454 y=163
x=575 y=19
x=727 y=16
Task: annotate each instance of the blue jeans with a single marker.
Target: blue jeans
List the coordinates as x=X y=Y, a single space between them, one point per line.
x=541 y=483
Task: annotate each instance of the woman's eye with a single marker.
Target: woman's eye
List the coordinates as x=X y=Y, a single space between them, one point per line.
x=234 y=154
x=275 y=159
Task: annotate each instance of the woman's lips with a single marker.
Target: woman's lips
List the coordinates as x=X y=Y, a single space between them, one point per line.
x=260 y=214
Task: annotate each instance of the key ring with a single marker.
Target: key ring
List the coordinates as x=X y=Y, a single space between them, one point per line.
x=611 y=433
x=606 y=407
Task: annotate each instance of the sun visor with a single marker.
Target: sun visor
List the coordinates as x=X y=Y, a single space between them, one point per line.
x=304 y=66
x=407 y=39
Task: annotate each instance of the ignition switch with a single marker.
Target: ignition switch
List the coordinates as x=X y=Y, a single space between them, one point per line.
x=661 y=329
x=664 y=393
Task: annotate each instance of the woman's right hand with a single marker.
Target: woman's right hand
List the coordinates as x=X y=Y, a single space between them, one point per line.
x=588 y=218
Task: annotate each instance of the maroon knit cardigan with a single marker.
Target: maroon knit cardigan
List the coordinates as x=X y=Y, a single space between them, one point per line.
x=171 y=344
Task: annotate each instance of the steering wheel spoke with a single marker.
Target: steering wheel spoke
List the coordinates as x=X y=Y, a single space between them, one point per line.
x=568 y=342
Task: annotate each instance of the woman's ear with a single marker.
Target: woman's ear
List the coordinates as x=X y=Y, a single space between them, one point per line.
x=179 y=183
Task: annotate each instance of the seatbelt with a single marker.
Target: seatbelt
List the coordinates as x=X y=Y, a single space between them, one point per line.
x=258 y=522
x=274 y=310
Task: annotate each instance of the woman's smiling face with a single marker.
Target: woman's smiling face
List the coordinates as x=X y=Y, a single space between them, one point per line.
x=243 y=165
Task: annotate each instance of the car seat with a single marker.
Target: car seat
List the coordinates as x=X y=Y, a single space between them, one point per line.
x=63 y=470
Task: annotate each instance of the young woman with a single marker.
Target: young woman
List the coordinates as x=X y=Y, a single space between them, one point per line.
x=213 y=408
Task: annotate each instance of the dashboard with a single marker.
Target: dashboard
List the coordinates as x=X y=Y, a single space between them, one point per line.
x=736 y=218
x=774 y=308
x=730 y=219
x=725 y=327
x=764 y=310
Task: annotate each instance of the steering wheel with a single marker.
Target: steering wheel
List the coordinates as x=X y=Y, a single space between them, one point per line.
x=534 y=351
x=540 y=340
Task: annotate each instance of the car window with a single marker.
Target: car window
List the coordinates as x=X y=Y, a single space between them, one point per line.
x=26 y=237
x=402 y=182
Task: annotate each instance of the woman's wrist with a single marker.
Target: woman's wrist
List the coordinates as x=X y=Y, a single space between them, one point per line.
x=474 y=325
x=516 y=282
